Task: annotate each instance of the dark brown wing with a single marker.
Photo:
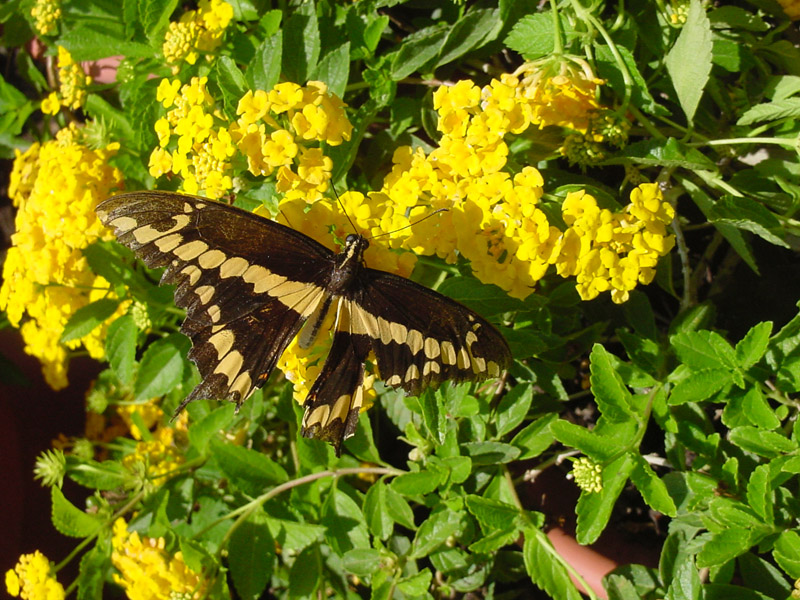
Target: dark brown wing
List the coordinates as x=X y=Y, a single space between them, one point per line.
x=247 y=283
x=420 y=338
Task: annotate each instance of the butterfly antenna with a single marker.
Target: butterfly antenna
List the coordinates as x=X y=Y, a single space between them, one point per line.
x=344 y=210
x=428 y=216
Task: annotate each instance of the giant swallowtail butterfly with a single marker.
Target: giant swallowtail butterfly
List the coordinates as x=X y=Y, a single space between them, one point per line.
x=250 y=285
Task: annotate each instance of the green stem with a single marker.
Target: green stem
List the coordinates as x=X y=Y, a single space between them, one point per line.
x=748 y=140
x=558 y=42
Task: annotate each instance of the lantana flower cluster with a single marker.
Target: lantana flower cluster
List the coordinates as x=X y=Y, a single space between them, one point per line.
x=56 y=186
x=147 y=571
x=72 y=85
x=275 y=129
x=32 y=579
x=198 y=31
x=46 y=14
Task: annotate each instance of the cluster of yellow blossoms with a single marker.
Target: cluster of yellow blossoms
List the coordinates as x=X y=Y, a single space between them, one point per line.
x=588 y=475
x=274 y=128
x=197 y=31
x=56 y=186
x=148 y=572
x=31 y=579
x=46 y=14
x=72 y=82
x=272 y=133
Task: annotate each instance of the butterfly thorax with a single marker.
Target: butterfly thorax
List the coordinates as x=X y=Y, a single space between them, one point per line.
x=347 y=264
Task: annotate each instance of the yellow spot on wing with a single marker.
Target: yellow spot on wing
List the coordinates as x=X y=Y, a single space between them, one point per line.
x=233 y=267
x=205 y=293
x=230 y=365
x=193 y=272
x=448 y=353
x=124 y=224
x=222 y=342
x=148 y=233
x=191 y=250
x=211 y=259
x=169 y=243
x=432 y=348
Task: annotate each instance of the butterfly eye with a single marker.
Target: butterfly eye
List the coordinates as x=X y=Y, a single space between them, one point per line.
x=351 y=239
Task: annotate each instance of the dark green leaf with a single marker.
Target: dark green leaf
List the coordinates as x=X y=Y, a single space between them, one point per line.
x=412 y=484
x=399 y=509
x=417 y=49
x=703 y=350
x=749 y=215
x=490 y=453
x=544 y=567
x=434 y=532
x=250 y=471
x=787 y=108
x=231 y=81
x=433 y=415
x=686 y=584
x=334 y=69
x=345 y=523
x=724 y=546
x=415 y=586
x=154 y=16
x=495 y=540
x=513 y=408
x=652 y=489
x=251 y=557
x=700 y=385
x=753 y=345
x=689 y=60
x=532 y=36
x=665 y=153
x=201 y=432
x=609 y=69
x=265 y=70
x=379 y=520
x=758 y=410
x=85 y=319
x=492 y=514
x=787 y=552
x=91 y=474
x=763 y=443
x=305 y=576
x=535 y=438
x=121 y=348
x=476 y=28
x=485 y=299
x=161 y=369
x=612 y=397
x=361 y=561
x=758 y=574
x=93 y=42
x=301 y=43
x=68 y=519
x=590 y=443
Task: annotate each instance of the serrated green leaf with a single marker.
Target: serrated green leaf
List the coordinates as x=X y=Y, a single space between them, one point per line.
x=686 y=584
x=94 y=41
x=154 y=16
x=667 y=152
x=724 y=546
x=379 y=520
x=544 y=568
x=753 y=345
x=700 y=385
x=476 y=28
x=485 y=299
x=346 y=527
x=305 y=576
x=491 y=514
x=513 y=408
x=301 y=43
x=490 y=453
x=202 y=431
x=758 y=574
x=68 y=519
x=265 y=70
x=94 y=568
x=594 y=509
x=231 y=82
x=361 y=561
x=763 y=443
x=748 y=215
x=787 y=552
x=334 y=69
x=121 y=348
x=786 y=108
x=433 y=414
x=590 y=443
x=608 y=68
x=703 y=350
x=415 y=586
x=92 y=474
x=652 y=489
x=85 y=319
x=250 y=471
x=399 y=509
x=535 y=438
x=495 y=540
x=251 y=557
x=417 y=49
x=759 y=492
x=434 y=532
x=161 y=368
x=412 y=484
x=532 y=36
x=612 y=396
x=689 y=60
x=758 y=410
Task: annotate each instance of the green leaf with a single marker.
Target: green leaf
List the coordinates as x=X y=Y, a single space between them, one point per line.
x=594 y=509
x=433 y=414
x=231 y=81
x=545 y=568
x=753 y=345
x=153 y=15
x=748 y=215
x=161 y=369
x=434 y=532
x=251 y=556
x=68 y=519
x=598 y=447
x=686 y=584
x=334 y=69
x=376 y=512
x=786 y=108
x=301 y=43
x=344 y=520
x=484 y=298
x=703 y=350
x=608 y=68
x=667 y=152
x=250 y=471
x=475 y=29
x=758 y=574
x=612 y=397
x=787 y=552
x=513 y=408
x=415 y=586
x=362 y=562
x=763 y=443
x=495 y=540
x=399 y=509
x=536 y=437
x=417 y=49
x=490 y=453
x=652 y=489
x=86 y=318
x=106 y=475
x=700 y=385
x=265 y=71
x=724 y=546
x=758 y=410
x=412 y=484
x=760 y=495
x=491 y=514
x=94 y=568
x=201 y=432
x=305 y=576
x=121 y=348
x=95 y=41
x=532 y=36
x=689 y=60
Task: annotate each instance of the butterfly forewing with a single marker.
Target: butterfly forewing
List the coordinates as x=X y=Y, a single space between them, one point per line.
x=247 y=283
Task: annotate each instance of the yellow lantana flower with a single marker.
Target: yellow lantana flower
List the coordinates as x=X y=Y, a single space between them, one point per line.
x=32 y=579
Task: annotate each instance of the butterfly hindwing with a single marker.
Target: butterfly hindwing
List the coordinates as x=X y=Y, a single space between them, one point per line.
x=247 y=283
